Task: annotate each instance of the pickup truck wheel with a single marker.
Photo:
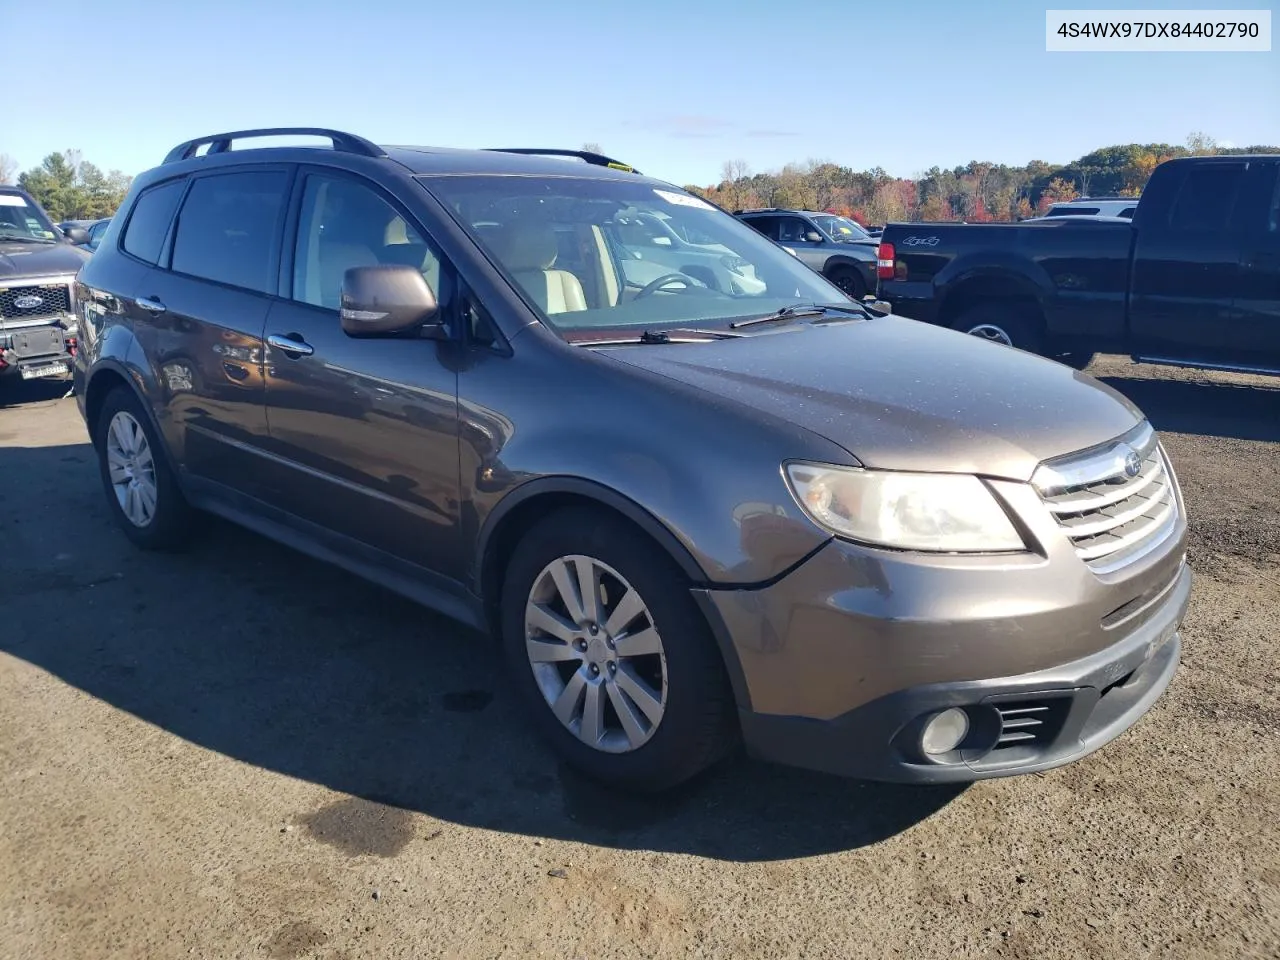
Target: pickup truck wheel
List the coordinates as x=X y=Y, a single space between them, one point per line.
x=850 y=281
x=1003 y=324
x=142 y=492
x=611 y=655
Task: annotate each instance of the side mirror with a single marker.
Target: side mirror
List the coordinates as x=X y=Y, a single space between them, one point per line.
x=77 y=235
x=387 y=299
x=813 y=236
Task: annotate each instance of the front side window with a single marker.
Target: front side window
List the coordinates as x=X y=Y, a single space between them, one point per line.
x=345 y=224
x=149 y=221
x=793 y=230
x=1206 y=198
x=228 y=226
x=20 y=219
x=570 y=246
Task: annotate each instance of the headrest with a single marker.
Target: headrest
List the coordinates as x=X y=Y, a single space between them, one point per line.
x=525 y=246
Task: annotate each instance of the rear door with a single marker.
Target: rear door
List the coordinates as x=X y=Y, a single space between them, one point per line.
x=1256 y=330
x=207 y=301
x=1186 y=268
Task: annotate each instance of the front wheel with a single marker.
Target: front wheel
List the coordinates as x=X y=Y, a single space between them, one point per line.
x=611 y=654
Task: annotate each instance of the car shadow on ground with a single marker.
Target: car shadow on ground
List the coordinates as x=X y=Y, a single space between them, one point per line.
x=1206 y=407
x=249 y=649
x=15 y=392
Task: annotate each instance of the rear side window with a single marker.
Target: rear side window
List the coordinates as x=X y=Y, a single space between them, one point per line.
x=1206 y=198
x=766 y=225
x=228 y=226
x=149 y=221
x=1072 y=212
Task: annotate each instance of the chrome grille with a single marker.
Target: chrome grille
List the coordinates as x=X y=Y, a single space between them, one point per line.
x=32 y=302
x=1111 y=514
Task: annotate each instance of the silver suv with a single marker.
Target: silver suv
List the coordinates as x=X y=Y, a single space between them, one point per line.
x=834 y=246
x=694 y=511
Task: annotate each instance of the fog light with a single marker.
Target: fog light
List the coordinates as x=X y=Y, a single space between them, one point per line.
x=944 y=731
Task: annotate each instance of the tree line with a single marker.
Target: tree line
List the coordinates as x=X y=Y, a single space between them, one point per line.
x=976 y=192
x=69 y=187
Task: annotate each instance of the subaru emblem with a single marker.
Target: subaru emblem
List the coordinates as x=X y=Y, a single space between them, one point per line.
x=1132 y=464
x=28 y=302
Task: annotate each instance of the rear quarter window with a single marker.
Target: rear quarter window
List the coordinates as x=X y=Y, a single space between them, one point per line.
x=149 y=220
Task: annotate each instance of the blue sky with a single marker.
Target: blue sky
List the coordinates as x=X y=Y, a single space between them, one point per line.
x=675 y=87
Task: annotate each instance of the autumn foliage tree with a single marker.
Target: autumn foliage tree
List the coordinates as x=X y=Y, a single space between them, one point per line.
x=977 y=191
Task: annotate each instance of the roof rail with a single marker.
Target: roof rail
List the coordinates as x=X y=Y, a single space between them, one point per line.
x=221 y=142
x=595 y=159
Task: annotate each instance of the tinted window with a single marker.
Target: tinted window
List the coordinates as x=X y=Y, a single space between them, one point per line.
x=1127 y=213
x=766 y=225
x=1072 y=212
x=1273 y=221
x=227 y=228
x=1206 y=197
x=149 y=221
x=344 y=224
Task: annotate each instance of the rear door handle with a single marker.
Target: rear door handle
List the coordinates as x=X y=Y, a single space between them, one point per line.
x=150 y=304
x=290 y=344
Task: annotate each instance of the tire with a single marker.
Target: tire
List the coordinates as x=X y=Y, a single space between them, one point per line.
x=682 y=669
x=1077 y=359
x=1008 y=324
x=155 y=516
x=850 y=281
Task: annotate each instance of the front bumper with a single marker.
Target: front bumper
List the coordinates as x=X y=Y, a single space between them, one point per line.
x=1020 y=724
x=838 y=664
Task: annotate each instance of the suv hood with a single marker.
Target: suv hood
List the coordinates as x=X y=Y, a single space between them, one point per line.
x=21 y=260
x=903 y=395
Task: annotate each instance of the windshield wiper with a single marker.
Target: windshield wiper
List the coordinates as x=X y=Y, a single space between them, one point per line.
x=24 y=238
x=679 y=335
x=798 y=310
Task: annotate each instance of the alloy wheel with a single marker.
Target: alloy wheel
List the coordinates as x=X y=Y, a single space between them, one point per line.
x=596 y=654
x=132 y=469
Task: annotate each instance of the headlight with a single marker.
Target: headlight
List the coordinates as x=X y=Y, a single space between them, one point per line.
x=948 y=513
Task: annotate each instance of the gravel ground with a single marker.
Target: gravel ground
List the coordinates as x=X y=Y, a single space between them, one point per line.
x=238 y=752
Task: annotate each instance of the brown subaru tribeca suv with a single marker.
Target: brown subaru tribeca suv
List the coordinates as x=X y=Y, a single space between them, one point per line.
x=701 y=496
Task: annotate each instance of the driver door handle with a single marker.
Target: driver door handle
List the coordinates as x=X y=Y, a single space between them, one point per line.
x=290 y=344
x=150 y=304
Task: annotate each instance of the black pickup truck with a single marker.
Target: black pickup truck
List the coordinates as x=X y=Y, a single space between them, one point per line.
x=1192 y=280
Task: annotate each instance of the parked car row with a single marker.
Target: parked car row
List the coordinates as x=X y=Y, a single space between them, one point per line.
x=700 y=493
x=1191 y=280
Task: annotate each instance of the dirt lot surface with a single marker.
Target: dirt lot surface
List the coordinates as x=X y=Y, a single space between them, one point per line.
x=238 y=752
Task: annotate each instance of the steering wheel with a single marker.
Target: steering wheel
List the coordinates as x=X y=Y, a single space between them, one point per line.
x=653 y=286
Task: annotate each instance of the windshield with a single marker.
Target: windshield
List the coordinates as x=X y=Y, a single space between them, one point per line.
x=841 y=228
x=590 y=255
x=20 y=219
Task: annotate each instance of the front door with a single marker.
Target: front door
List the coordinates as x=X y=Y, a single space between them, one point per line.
x=1186 y=270
x=1257 y=326
x=364 y=432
